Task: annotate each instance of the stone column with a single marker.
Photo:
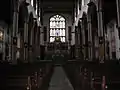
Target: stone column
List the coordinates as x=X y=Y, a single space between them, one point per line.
x=69 y=38
x=90 y=42
x=31 y=43
x=9 y=44
x=39 y=28
x=25 y=41
x=79 y=52
x=89 y=38
x=45 y=29
x=83 y=38
x=118 y=15
x=14 y=32
x=100 y=18
x=36 y=42
x=34 y=34
x=100 y=31
x=76 y=42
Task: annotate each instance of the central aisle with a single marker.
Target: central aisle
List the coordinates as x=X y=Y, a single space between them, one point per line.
x=59 y=80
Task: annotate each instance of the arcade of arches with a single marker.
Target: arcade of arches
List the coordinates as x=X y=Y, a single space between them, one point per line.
x=60 y=45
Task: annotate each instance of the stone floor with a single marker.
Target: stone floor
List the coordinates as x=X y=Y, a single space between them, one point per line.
x=59 y=80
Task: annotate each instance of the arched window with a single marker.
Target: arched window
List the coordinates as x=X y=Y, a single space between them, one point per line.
x=57 y=28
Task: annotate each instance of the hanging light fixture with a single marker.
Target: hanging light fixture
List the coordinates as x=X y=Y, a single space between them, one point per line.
x=28 y=88
x=1 y=36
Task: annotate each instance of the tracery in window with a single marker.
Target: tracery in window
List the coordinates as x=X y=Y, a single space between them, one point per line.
x=32 y=2
x=36 y=9
x=57 y=28
x=83 y=2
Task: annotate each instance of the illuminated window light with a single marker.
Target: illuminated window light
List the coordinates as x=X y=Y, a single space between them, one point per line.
x=83 y=3
x=57 y=28
x=1 y=35
x=32 y=2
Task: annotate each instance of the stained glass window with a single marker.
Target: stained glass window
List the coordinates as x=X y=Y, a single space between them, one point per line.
x=57 y=28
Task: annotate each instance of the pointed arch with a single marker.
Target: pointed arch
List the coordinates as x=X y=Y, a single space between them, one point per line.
x=57 y=27
x=23 y=14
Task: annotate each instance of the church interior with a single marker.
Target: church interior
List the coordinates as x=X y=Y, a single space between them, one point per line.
x=60 y=45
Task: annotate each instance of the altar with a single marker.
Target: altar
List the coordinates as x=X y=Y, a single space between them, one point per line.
x=58 y=51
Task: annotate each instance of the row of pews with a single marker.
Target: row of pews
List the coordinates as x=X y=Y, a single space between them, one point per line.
x=25 y=76
x=89 y=75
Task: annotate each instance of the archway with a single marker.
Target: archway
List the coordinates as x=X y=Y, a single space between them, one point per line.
x=93 y=31
x=22 y=19
x=85 y=36
x=110 y=23
x=94 y=27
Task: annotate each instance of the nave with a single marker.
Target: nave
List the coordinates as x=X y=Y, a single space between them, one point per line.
x=72 y=75
x=60 y=44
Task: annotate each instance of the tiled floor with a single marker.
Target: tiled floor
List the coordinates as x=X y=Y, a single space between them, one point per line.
x=59 y=80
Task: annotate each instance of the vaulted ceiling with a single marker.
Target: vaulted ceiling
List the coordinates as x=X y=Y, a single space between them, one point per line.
x=110 y=10
x=6 y=9
x=65 y=6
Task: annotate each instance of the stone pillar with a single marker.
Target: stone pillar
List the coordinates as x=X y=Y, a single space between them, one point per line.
x=31 y=43
x=89 y=38
x=9 y=44
x=39 y=28
x=76 y=42
x=69 y=38
x=79 y=49
x=80 y=41
x=83 y=34
x=34 y=31
x=22 y=44
x=118 y=15
x=100 y=31
x=45 y=37
x=83 y=38
x=100 y=18
x=14 y=32
x=25 y=41
x=36 y=42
